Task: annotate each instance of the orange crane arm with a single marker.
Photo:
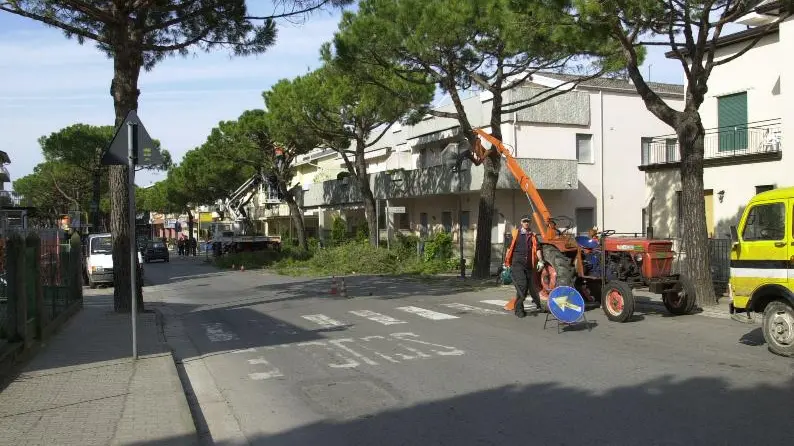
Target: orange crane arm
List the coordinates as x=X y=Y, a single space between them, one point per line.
x=540 y=213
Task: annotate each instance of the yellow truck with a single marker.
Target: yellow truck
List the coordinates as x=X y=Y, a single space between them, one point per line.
x=762 y=267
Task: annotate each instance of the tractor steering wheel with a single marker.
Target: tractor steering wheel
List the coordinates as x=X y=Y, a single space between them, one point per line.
x=565 y=227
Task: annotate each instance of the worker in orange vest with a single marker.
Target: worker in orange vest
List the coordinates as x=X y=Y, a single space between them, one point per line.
x=523 y=256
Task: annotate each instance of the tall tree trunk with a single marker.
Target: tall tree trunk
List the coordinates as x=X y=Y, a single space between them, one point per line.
x=694 y=233
x=491 y=167
x=95 y=214
x=297 y=218
x=367 y=196
x=126 y=69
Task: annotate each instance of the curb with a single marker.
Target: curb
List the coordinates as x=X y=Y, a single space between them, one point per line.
x=187 y=390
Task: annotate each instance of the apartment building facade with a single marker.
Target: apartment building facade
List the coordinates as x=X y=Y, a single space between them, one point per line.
x=579 y=148
x=745 y=118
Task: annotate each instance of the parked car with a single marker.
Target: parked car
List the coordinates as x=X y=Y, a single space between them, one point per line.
x=155 y=250
x=99 y=260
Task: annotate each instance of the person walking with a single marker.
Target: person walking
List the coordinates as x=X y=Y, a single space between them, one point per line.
x=524 y=257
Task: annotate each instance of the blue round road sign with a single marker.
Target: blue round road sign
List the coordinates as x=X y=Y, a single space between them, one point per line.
x=566 y=304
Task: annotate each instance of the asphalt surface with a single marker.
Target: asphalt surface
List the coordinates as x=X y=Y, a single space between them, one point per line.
x=273 y=360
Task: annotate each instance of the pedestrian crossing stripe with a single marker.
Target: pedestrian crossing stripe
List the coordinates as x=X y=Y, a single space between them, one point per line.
x=427 y=314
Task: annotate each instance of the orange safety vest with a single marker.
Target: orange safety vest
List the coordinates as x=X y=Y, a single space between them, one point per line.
x=531 y=252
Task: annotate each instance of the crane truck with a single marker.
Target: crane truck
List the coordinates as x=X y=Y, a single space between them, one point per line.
x=234 y=233
x=605 y=270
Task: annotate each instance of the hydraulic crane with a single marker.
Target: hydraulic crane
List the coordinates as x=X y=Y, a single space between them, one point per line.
x=605 y=270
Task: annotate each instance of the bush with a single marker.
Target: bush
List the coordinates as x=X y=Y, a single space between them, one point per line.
x=439 y=247
x=338 y=231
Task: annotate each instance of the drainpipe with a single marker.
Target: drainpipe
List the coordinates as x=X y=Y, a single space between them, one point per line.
x=515 y=134
x=601 y=147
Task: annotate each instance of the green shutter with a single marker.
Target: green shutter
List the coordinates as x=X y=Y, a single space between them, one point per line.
x=732 y=121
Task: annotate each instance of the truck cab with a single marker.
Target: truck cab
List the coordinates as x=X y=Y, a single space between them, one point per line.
x=762 y=258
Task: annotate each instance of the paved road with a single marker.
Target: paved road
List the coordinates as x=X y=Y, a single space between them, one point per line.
x=278 y=361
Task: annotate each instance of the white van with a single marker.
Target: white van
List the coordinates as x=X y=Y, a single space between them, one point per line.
x=99 y=259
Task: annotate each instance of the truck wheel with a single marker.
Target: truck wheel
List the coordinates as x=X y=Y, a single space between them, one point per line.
x=617 y=300
x=682 y=302
x=91 y=284
x=559 y=271
x=778 y=328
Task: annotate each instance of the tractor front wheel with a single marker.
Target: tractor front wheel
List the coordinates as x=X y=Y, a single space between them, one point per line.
x=681 y=302
x=558 y=271
x=617 y=301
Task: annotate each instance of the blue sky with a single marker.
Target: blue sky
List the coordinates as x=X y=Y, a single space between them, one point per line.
x=48 y=82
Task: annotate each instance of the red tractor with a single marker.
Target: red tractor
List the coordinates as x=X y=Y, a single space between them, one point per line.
x=605 y=268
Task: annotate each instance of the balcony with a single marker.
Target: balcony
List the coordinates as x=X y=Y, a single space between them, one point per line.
x=548 y=174
x=11 y=199
x=755 y=142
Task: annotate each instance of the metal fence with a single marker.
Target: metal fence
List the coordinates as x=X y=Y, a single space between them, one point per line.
x=49 y=269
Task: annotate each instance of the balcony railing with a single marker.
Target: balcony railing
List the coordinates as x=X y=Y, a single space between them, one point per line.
x=756 y=141
x=12 y=199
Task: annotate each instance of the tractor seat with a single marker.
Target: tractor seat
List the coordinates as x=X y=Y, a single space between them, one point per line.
x=586 y=242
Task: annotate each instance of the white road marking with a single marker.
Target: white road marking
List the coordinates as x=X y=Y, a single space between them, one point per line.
x=451 y=351
x=500 y=303
x=427 y=314
x=377 y=317
x=472 y=309
x=349 y=364
x=216 y=333
x=244 y=350
x=338 y=343
x=323 y=320
x=273 y=373
x=265 y=375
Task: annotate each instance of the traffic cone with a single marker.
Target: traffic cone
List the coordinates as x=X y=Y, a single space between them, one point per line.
x=511 y=304
x=333 y=285
x=344 y=288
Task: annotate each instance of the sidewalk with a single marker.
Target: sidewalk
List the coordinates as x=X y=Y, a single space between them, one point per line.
x=83 y=388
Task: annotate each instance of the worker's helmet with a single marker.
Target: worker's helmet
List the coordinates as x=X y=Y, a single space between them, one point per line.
x=525 y=218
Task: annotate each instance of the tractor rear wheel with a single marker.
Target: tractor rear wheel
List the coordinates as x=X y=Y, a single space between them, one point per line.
x=681 y=302
x=618 y=301
x=558 y=271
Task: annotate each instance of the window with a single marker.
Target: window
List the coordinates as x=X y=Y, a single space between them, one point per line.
x=765 y=222
x=101 y=245
x=764 y=188
x=732 y=121
x=402 y=220
x=585 y=219
x=423 y=224
x=646 y=151
x=584 y=148
x=446 y=221
x=671 y=150
x=465 y=219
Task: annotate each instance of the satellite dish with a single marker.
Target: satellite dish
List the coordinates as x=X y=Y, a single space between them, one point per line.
x=566 y=304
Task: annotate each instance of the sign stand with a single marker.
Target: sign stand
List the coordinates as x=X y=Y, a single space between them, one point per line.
x=132 y=146
x=567 y=308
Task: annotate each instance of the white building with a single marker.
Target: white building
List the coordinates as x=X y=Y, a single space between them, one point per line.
x=579 y=148
x=745 y=120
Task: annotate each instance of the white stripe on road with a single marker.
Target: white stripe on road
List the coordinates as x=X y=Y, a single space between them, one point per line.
x=472 y=309
x=377 y=317
x=501 y=303
x=265 y=375
x=216 y=333
x=274 y=373
x=427 y=314
x=323 y=320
